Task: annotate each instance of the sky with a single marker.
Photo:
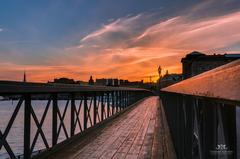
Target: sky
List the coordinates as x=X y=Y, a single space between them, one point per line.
x=125 y=39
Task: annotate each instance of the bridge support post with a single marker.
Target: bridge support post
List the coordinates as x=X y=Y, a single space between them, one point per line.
x=209 y=128
x=108 y=105
x=85 y=111
x=116 y=101
x=180 y=126
x=189 y=131
x=95 y=109
x=73 y=108
x=173 y=106
x=112 y=97
x=228 y=118
x=54 y=120
x=27 y=127
x=102 y=106
x=128 y=98
x=125 y=99
x=120 y=100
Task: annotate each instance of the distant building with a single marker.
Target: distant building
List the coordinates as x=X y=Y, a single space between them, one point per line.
x=110 y=82
x=64 y=80
x=91 y=81
x=124 y=82
x=105 y=82
x=121 y=82
x=197 y=62
x=134 y=83
x=101 y=82
x=118 y=82
x=81 y=82
x=169 y=79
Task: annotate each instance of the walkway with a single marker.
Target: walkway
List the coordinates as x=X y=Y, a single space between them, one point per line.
x=141 y=132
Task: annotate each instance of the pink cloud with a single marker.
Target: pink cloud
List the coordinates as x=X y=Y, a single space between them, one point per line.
x=165 y=41
x=133 y=47
x=183 y=33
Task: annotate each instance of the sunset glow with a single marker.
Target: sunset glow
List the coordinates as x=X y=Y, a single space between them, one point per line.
x=131 y=46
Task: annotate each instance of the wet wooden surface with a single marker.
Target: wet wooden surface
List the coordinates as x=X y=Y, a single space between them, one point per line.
x=139 y=133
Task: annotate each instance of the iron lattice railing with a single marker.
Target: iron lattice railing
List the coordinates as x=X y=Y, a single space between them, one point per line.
x=88 y=105
x=202 y=114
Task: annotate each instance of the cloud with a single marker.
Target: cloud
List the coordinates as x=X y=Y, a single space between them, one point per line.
x=183 y=33
x=120 y=25
x=134 y=46
x=179 y=32
x=1 y=29
x=128 y=45
x=117 y=32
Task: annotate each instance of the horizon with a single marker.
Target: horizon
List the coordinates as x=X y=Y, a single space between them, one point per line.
x=111 y=39
x=154 y=77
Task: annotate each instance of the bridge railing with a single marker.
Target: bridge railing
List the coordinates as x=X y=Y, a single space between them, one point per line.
x=86 y=106
x=202 y=114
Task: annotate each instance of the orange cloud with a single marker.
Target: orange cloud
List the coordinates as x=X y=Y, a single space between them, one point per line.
x=167 y=41
x=133 y=48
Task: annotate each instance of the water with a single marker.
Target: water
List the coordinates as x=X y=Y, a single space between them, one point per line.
x=15 y=136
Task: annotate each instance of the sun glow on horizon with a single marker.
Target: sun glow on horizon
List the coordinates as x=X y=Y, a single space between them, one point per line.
x=129 y=47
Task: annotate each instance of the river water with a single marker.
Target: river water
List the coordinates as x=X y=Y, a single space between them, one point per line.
x=15 y=136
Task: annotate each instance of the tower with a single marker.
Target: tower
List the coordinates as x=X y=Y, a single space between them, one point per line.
x=91 y=81
x=24 y=77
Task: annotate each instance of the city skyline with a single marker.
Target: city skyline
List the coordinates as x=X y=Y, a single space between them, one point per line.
x=129 y=40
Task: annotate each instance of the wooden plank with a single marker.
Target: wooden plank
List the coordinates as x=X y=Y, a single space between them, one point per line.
x=131 y=135
x=164 y=141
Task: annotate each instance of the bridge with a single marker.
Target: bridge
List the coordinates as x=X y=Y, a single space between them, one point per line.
x=195 y=118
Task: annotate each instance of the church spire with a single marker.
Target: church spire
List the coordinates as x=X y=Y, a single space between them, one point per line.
x=24 y=77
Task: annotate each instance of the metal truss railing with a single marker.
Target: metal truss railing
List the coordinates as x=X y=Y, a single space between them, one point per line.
x=202 y=116
x=88 y=106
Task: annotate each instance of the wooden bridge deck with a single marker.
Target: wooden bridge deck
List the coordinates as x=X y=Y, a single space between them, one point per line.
x=141 y=132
